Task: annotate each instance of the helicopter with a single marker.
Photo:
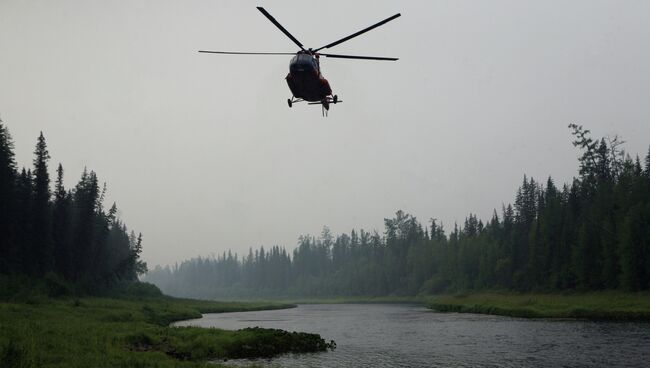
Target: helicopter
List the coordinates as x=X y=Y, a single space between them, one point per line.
x=305 y=79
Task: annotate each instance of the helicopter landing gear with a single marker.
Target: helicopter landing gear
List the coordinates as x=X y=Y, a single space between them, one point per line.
x=292 y=100
x=325 y=103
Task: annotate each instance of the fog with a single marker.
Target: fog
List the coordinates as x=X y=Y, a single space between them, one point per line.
x=202 y=154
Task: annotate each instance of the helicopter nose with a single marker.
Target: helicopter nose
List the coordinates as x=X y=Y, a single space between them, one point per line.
x=300 y=69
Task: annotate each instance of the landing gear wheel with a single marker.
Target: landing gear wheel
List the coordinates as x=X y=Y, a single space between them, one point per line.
x=336 y=99
x=289 y=102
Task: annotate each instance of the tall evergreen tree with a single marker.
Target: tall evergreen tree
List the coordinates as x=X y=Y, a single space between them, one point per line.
x=647 y=163
x=62 y=227
x=42 y=246
x=26 y=261
x=635 y=247
x=70 y=235
x=8 y=242
x=86 y=195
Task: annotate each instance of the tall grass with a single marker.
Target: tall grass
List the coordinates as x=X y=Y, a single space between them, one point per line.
x=605 y=305
x=132 y=332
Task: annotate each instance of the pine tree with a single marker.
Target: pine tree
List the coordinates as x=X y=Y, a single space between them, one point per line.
x=8 y=242
x=42 y=222
x=61 y=227
x=86 y=194
x=582 y=139
x=647 y=164
x=139 y=266
x=631 y=245
x=611 y=261
x=26 y=261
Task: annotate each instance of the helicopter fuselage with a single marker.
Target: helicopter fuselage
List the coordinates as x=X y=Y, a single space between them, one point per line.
x=305 y=80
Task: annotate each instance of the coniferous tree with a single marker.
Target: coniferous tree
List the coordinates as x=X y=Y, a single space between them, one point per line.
x=26 y=260
x=9 y=251
x=61 y=227
x=42 y=242
x=635 y=243
x=647 y=164
x=69 y=233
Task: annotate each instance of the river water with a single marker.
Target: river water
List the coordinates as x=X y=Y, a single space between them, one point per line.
x=402 y=335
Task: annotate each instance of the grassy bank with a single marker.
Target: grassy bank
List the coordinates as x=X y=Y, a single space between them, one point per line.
x=128 y=332
x=608 y=305
x=359 y=300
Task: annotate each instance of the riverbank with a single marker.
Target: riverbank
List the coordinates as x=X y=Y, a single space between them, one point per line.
x=134 y=332
x=606 y=305
x=361 y=300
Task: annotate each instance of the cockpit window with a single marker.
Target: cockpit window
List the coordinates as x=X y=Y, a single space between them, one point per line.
x=303 y=63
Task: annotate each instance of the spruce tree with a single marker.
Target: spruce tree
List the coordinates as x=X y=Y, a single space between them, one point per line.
x=8 y=242
x=42 y=245
x=86 y=194
x=26 y=261
x=139 y=266
x=631 y=239
x=61 y=227
x=647 y=164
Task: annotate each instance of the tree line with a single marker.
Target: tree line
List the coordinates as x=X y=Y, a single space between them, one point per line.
x=590 y=234
x=63 y=234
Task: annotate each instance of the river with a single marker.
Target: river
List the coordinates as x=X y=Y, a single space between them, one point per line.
x=403 y=335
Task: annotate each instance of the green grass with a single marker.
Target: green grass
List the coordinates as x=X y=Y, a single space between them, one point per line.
x=359 y=300
x=605 y=305
x=113 y=332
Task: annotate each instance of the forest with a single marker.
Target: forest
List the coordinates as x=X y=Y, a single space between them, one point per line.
x=63 y=236
x=69 y=290
x=590 y=234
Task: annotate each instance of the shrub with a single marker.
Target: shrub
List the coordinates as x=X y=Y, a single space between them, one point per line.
x=16 y=355
x=55 y=286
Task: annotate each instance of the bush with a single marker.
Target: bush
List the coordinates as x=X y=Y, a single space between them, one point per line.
x=140 y=341
x=134 y=289
x=267 y=342
x=435 y=285
x=16 y=355
x=55 y=286
x=13 y=286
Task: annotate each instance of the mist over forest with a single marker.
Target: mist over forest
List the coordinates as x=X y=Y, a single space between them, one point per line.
x=590 y=234
x=324 y=184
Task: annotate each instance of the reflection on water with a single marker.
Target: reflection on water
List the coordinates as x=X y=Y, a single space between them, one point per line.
x=398 y=335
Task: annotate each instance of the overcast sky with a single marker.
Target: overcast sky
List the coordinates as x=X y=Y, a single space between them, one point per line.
x=202 y=153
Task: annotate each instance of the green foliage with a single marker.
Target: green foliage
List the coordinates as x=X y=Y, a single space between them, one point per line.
x=596 y=305
x=635 y=248
x=129 y=289
x=17 y=354
x=40 y=249
x=8 y=176
x=133 y=332
x=56 y=286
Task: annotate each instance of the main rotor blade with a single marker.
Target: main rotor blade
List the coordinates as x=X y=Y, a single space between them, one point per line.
x=277 y=24
x=246 y=53
x=359 y=57
x=360 y=32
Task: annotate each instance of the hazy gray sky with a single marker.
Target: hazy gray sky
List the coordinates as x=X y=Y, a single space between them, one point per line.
x=202 y=153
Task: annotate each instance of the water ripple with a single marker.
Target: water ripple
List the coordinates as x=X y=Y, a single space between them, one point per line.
x=398 y=335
